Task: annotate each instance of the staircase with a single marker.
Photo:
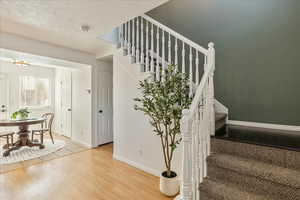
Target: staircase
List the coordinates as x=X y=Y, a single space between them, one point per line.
x=238 y=171
x=212 y=168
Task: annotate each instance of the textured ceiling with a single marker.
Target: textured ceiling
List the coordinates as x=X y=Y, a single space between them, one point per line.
x=59 y=21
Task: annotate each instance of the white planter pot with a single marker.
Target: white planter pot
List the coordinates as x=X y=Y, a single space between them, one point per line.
x=169 y=186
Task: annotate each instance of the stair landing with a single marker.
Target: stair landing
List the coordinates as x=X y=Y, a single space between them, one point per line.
x=260 y=136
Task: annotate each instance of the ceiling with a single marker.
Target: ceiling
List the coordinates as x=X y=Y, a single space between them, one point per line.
x=58 y=21
x=35 y=60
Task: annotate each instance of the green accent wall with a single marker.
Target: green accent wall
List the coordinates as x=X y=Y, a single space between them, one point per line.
x=257 y=52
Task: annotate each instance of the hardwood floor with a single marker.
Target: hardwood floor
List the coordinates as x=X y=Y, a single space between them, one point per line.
x=70 y=148
x=88 y=175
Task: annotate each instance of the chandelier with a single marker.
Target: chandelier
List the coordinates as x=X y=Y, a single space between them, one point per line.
x=21 y=63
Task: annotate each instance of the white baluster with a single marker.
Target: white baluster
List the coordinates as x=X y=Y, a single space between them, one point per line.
x=201 y=144
x=169 y=49
x=191 y=72
x=120 y=44
x=152 y=48
x=183 y=58
x=129 y=38
x=163 y=59
x=147 y=46
x=205 y=62
x=138 y=41
x=176 y=54
x=205 y=130
x=133 y=41
x=126 y=39
x=142 y=43
x=157 y=54
x=197 y=68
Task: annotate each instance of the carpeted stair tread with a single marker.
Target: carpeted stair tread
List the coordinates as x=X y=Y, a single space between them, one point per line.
x=205 y=196
x=273 y=173
x=220 y=191
x=281 y=157
x=253 y=184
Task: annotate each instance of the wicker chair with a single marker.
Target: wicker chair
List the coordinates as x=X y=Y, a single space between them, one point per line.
x=45 y=128
x=9 y=136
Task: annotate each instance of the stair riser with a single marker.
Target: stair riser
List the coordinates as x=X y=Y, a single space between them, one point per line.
x=280 y=157
x=268 y=189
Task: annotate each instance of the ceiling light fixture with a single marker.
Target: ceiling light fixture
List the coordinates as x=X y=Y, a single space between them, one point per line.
x=21 y=63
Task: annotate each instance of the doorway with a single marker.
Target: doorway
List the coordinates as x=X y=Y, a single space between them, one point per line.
x=64 y=101
x=105 y=101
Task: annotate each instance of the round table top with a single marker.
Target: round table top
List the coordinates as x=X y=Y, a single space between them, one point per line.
x=22 y=122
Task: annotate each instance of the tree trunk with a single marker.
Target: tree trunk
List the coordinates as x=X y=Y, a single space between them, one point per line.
x=169 y=172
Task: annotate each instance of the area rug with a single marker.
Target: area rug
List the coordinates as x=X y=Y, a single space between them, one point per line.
x=27 y=153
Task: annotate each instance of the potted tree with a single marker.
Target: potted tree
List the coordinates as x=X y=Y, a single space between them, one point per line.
x=163 y=102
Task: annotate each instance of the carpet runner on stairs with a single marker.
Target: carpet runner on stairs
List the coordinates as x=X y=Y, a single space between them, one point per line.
x=241 y=171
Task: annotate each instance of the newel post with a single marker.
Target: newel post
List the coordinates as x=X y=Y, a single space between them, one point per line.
x=212 y=63
x=186 y=191
x=211 y=55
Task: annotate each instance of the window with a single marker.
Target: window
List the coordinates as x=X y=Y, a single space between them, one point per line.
x=34 y=91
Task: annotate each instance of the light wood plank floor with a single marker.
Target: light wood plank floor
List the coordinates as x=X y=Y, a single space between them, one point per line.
x=88 y=175
x=69 y=148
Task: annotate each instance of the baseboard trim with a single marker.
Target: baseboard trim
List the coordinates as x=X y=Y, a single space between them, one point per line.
x=137 y=165
x=264 y=125
x=81 y=142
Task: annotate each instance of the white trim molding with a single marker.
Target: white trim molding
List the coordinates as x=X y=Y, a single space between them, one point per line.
x=82 y=143
x=137 y=165
x=265 y=125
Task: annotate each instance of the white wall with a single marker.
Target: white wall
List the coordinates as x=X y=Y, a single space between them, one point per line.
x=134 y=140
x=22 y=44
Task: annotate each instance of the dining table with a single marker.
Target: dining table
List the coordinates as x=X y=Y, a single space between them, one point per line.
x=23 y=133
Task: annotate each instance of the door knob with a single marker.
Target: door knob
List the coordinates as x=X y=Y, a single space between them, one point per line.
x=100 y=111
x=69 y=109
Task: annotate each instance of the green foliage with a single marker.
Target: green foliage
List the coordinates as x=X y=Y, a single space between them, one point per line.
x=163 y=101
x=23 y=113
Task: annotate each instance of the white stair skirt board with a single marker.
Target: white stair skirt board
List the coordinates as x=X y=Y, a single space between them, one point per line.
x=265 y=125
x=27 y=153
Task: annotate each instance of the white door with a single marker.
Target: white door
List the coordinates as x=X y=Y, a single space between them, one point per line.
x=105 y=108
x=66 y=103
x=4 y=112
